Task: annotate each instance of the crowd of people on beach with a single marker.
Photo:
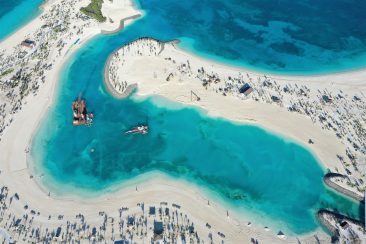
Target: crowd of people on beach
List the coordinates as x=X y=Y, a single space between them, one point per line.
x=24 y=67
x=339 y=112
x=342 y=228
x=24 y=70
x=163 y=222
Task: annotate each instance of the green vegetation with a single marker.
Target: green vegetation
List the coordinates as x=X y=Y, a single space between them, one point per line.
x=6 y=72
x=94 y=10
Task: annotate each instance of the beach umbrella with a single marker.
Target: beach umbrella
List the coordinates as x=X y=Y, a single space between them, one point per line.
x=281 y=235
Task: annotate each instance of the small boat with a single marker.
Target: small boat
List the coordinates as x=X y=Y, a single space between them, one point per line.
x=141 y=129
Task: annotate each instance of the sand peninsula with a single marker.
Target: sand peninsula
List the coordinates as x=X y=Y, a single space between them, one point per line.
x=312 y=110
x=282 y=104
x=29 y=214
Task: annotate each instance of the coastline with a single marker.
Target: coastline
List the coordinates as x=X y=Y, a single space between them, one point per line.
x=249 y=112
x=328 y=181
x=347 y=78
x=16 y=174
x=107 y=83
x=254 y=70
x=16 y=177
x=121 y=25
x=131 y=87
x=265 y=116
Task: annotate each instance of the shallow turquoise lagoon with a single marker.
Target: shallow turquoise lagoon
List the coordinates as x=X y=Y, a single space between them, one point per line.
x=250 y=169
x=247 y=168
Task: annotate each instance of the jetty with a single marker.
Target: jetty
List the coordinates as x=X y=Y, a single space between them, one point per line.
x=328 y=181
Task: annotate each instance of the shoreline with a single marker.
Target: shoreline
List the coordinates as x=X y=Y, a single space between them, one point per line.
x=16 y=174
x=17 y=178
x=147 y=91
x=121 y=25
x=36 y=14
x=354 y=74
x=107 y=83
x=339 y=218
x=115 y=94
x=131 y=87
x=338 y=188
x=252 y=70
x=127 y=92
x=159 y=88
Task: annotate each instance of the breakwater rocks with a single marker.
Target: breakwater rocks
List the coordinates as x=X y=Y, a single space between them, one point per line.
x=325 y=217
x=328 y=181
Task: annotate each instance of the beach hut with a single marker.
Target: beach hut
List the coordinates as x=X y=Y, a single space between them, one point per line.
x=152 y=211
x=17 y=222
x=158 y=230
x=167 y=211
x=130 y=220
x=275 y=99
x=344 y=225
x=191 y=229
x=94 y=231
x=176 y=205
x=28 y=43
x=121 y=242
x=326 y=99
x=246 y=89
x=58 y=232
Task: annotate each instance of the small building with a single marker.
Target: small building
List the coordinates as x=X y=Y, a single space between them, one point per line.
x=94 y=231
x=152 y=210
x=246 y=89
x=130 y=220
x=326 y=99
x=176 y=205
x=191 y=229
x=58 y=232
x=158 y=230
x=344 y=225
x=17 y=222
x=121 y=242
x=275 y=99
x=167 y=211
x=28 y=43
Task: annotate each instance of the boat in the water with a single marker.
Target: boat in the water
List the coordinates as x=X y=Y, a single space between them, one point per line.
x=141 y=129
x=80 y=113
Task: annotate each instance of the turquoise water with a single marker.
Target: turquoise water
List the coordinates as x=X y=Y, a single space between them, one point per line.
x=15 y=13
x=248 y=168
x=284 y=36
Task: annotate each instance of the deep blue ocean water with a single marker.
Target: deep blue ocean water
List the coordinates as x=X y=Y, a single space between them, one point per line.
x=236 y=163
x=15 y=13
x=281 y=36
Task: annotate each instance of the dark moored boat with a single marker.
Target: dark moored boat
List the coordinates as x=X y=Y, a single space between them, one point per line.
x=80 y=113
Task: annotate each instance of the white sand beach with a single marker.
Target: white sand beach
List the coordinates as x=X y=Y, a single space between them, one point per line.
x=17 y=176
x=150 y=71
